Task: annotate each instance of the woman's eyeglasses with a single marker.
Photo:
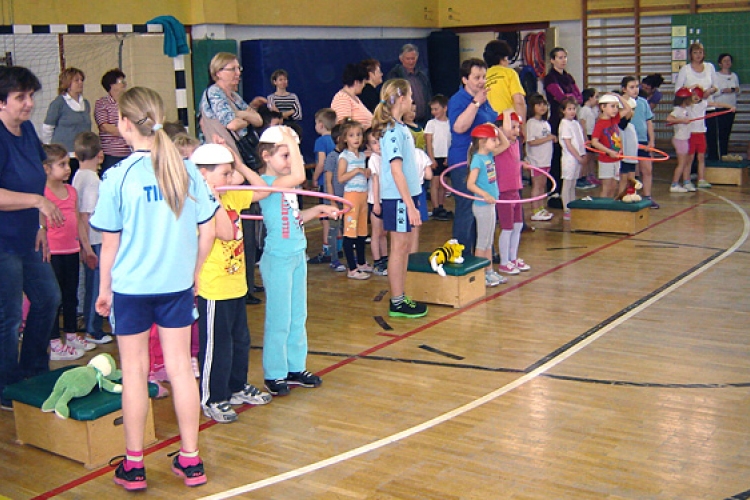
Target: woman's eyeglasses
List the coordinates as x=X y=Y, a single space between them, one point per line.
x=237 y=69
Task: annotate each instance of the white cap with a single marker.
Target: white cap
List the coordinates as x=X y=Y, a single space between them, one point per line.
x=632 y=102
x=610 y=98
x=211 y=154
x=273 y=135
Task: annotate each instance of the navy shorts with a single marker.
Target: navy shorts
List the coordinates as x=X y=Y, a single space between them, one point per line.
x=627 y=167
x=395 y=217
x=644 y=153
x=441 y=166
x=371 y=215
x=133 y=314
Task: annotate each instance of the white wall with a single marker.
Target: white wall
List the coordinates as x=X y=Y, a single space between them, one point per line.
x=232 y=32
x=570 y=37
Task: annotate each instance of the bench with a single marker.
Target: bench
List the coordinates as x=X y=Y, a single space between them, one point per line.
x=725 y=172
x=605 y=215
x=464 y=282
x=92 y=435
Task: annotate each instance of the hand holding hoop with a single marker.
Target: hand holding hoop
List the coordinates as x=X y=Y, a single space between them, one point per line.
x=664 y=156
x=301 y=192
x=707 y=115
x=523 y=200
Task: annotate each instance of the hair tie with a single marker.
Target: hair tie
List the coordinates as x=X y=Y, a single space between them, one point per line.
x=157 y=126
x=382 y=101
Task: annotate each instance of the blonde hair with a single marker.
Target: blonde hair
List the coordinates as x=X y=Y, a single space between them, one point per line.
x=219 y=62
x=66 y=78
x=473 y=149
x=185 y=143
x=144 y=108
x=383 y=116
x=346 y=126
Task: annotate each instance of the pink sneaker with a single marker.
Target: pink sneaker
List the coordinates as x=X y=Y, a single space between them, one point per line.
x=159 y=374
x=521 y=265
x=509 y=268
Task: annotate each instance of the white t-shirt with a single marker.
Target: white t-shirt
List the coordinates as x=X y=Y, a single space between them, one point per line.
x=441 y=136
x=374 y=165
x=696 y=111
x=723 y=81
x=86 y=183
x=681 y=130
x=630 y=143
x=423 y=163
x=571 y=129
x=589 y=115
x=540 y=155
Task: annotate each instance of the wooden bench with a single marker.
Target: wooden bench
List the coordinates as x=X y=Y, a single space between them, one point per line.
x=724 y=172
x=464 y=283
x=92 y=435
x=605 y=215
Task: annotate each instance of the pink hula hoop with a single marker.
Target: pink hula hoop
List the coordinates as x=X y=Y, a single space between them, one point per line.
x=523 y=200
x=270 y=189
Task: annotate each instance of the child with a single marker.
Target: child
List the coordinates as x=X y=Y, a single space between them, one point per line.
x=150 y=208
x=680 y=119
x=606 y=138
x=65 y=241
x=437 y=136
x=573 y=151
x=416 y=130
x=399 y=183
x=539 y=147
x=186 y=144
x=222 y=315
x=353 y=174
x=283 y=265
x=482 y=181
x=697 y=126
x=509 y=184
x=587 y=115
x=379 y=244
x=643 y=122
x=325 y=119
x=88 y=150
x=331 y=169
x=424 y=171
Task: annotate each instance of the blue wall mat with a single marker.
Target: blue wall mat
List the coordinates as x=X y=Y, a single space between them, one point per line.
x=315 y=68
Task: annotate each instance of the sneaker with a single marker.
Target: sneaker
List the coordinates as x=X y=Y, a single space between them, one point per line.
x=131 y=480
x=365 y=268
x=702 y=183
x=161 y=391
x=591 y=179
x=509 y=268
x=303 y=379
x=584 y=184
x=337 y=266
x=277 y=387
x=676 y=188
x=63 y=352
x=500 y=279
x=158 y=374
x=690 y=187
x=250 y=395
x=194 y=475
x=541 y=215
x=196 y=367
x=79 y=342
x=655 y=205
x=104 y=339
x=566 y=215
x=408 y=309
x=489 y=280
x=320 y=259
x=521 y=265
x=357 y=275
x=380 y=269
x=221 y=412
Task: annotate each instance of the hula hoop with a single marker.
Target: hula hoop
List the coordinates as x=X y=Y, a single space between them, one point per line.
x=664 y=156
x=707 y=115
x=348 y=205
x=550 y=194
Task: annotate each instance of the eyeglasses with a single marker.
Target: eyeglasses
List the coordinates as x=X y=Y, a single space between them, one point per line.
x=122 y=81
x=233 y=69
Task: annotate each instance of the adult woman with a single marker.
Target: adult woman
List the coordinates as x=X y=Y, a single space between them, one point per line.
x=370 y=95
x=346 y=102
x=558 y=84
x=24 y=254
x=285 y=102
x=467 y=108
x=719 y=128
x=106 y=115
x=650 y=89
x=68 y=114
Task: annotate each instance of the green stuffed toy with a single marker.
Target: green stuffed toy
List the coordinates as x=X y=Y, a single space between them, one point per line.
x=80 y=381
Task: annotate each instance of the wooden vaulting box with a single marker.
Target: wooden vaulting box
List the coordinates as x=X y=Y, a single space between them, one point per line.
x=464 y=283
x=605 y=215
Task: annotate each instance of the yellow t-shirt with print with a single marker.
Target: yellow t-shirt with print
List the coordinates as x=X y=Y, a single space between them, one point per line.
x=502 y=84
x=223 y=274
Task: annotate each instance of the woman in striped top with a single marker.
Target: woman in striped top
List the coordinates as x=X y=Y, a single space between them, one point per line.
x=286 y=103
x=346 y=102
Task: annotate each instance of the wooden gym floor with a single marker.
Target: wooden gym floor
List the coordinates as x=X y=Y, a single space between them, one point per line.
x=617 y=368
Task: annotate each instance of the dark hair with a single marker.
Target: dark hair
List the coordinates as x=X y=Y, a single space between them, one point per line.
x=278 y=73
x=267 y=114
x=354 y=73
x=110 y=78
x=679 y=101
x=553 y=52
x=17 y=79
x=54 y=152
x=627 y=79
x=439 y=99
x=495 y=51
x=534 y=99
x=173 y=128
x=347 y=125
x=565 y=103
x=723 y=55
x=335 y=133
x=86 y=146
x=588 y=93
x=370 y=65
x=653 y=81
x=471 y=63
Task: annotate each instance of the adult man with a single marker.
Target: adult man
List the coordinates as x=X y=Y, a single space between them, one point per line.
x=420 y=83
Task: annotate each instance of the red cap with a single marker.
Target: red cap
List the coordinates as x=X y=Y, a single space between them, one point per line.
x=683 y=92
x=484 y=130
x=698 y=92
x=515 y=118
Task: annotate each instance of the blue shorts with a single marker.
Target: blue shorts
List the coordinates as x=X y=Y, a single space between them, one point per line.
x=395 y=217
x=627 y=168
x=371 y=215
x=133 y=314
x=422 y=206
x=644 y=153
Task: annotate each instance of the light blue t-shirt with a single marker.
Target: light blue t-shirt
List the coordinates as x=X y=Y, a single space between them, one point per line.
x=398 y=143
x=358 y=183
x=157 y=250
x=281 y=215
x=641 y=114
x=487 y=177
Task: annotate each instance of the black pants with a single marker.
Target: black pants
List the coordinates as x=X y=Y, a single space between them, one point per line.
x=224 y=348
x=66 y=272
x=718 y=130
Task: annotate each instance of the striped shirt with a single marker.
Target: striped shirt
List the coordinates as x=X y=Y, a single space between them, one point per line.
x=285 y=103
x=347 y=107
x=105 y=112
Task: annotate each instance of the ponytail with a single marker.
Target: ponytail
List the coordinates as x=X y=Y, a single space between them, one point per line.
x=383 y=115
